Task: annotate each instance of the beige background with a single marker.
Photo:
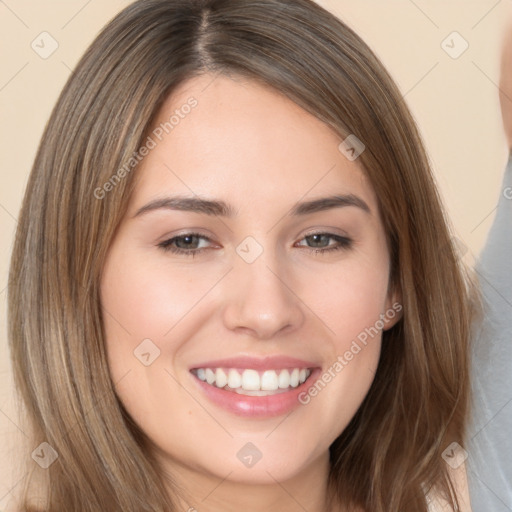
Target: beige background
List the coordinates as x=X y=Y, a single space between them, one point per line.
x=455 y=102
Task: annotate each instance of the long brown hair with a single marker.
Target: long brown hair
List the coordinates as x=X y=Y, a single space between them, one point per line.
x=390 y=453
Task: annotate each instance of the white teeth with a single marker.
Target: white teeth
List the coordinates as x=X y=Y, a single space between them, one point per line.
x=251 y=381
x=294 y=378
x=234 y=379
x=221 y=379
x=242 y=391
x=210 y=376
x=269 y=381
x=284 y=379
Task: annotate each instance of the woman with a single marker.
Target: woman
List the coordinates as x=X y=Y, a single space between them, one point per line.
x=233 y=283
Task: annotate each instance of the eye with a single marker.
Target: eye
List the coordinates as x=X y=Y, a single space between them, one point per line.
x=320 y=242
x=188 y=244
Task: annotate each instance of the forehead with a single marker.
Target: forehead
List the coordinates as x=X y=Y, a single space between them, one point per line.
x=243 y=142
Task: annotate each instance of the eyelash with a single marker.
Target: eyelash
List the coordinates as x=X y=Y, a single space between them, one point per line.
x=166 y=245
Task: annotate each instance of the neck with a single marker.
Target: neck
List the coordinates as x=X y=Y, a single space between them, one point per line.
x=204 y=492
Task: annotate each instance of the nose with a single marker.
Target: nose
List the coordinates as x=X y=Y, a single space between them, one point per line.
x=260 y=300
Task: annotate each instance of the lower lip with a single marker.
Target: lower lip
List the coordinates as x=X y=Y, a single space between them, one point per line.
x=257 y=406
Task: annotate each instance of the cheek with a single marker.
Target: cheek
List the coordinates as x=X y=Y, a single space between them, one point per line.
x=155 y=309
x=348 y=299
x=352 y=301
x=144 y=300
x=138 y=306
x=142 y=303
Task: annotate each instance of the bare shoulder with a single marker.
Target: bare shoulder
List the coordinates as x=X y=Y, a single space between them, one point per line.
x=460 y=481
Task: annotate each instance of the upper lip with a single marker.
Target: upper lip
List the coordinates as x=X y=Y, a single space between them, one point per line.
x=276 y=362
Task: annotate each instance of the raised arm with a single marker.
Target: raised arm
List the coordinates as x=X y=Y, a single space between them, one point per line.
x=490 y=444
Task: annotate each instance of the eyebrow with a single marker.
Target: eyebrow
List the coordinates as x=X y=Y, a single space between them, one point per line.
x=221 y=209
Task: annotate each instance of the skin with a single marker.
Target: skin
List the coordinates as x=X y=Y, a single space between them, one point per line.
x=253 y=148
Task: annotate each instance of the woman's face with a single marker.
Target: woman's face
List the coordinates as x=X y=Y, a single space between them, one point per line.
x=251 y=257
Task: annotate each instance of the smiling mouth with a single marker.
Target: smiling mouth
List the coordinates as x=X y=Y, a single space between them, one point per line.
x=252 y=382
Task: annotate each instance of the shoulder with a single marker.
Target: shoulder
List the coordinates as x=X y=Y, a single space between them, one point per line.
x=460 y=482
